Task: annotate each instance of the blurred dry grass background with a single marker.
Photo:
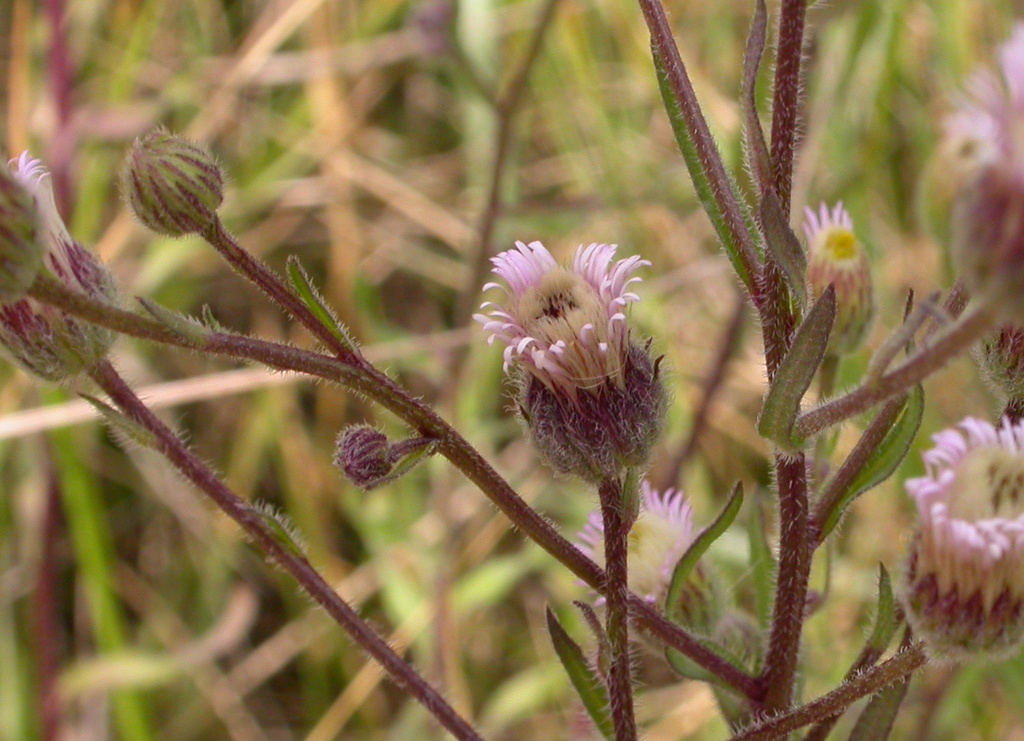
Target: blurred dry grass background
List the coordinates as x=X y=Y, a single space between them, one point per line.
x=362 y=138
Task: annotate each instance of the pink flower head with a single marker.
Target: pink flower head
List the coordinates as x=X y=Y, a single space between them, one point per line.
x=660 y=536
x=37 y=336
x=565 y=325
x=837 y=258
x=989 y=120
x=965 y=576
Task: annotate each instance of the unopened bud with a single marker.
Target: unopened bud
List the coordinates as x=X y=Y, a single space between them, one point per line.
x=173 y=186
x=1000 y=356
x=368 y=458
x=838 y=258
x=21 y=252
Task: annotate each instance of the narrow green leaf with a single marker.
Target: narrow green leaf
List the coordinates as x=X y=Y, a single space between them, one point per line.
x=758 y=158
x=281 y=527
x=885 y=615
x=762 y=569
x=795 y=373
x=706 y=192
x=686 y=564
x=185 y=326
x=876 y=720
x=684 y=666
x=134 y=432
x=783 y=246
x=883 y=460
x=303 y=286
x=592 y=691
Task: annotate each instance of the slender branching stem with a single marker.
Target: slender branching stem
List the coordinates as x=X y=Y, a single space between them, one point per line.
x=930 y=357
x=866 y=683
x=419 y=416
x=620 y=681
x=255 y=526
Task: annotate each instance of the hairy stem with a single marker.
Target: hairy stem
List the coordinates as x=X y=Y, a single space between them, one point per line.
x=956 y=338
x=786 y=97
x=255 y=526
x=795 y=552
x=375 y=385
x=620 y=681
x=866 y=683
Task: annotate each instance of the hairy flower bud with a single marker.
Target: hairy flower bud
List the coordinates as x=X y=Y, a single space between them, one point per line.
x=963 y=583
x=592 y=398
x=837 y=258
x=37 y=336
x=368 y=458
x=987 y=241
x=1000 y=356
x=21 y=252
x=173 y=186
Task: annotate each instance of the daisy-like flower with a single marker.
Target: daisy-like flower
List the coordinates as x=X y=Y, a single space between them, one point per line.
x=963 y=587
x=987 y=133
x=660 y=536
x=591 y=397
x=838 y=258
x=37 y=336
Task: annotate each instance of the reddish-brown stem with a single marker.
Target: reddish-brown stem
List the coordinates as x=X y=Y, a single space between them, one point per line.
x=786 y=97
x=866 y=683
x=782 y=657
x=255 y=526
x=957 y=338
x=375 y=385
x=620 y=681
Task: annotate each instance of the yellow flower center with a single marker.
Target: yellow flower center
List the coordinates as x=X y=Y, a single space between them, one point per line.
x=840 y=244
x=559 y=306
x=989 y=483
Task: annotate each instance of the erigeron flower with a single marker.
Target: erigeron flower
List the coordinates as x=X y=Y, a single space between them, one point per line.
x=963 y=585
x=836 y=257
x=37 y=336
x=987 y=238
x=660 y=536
x=591 y=396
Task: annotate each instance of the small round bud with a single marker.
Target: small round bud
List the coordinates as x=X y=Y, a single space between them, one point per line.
x=21 y=252
x=173 y=186
x=963 y=583
x=364 y=454
x=837 y=258
x=368 y=458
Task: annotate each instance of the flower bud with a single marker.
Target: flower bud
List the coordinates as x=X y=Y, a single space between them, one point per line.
x=21 y=252
x=838 y=258
x=1000 y=356
x=37 y=336
x=987 y=241
x=963 y=583
x=173 y=186
x=592 y=398
x=368 y=458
